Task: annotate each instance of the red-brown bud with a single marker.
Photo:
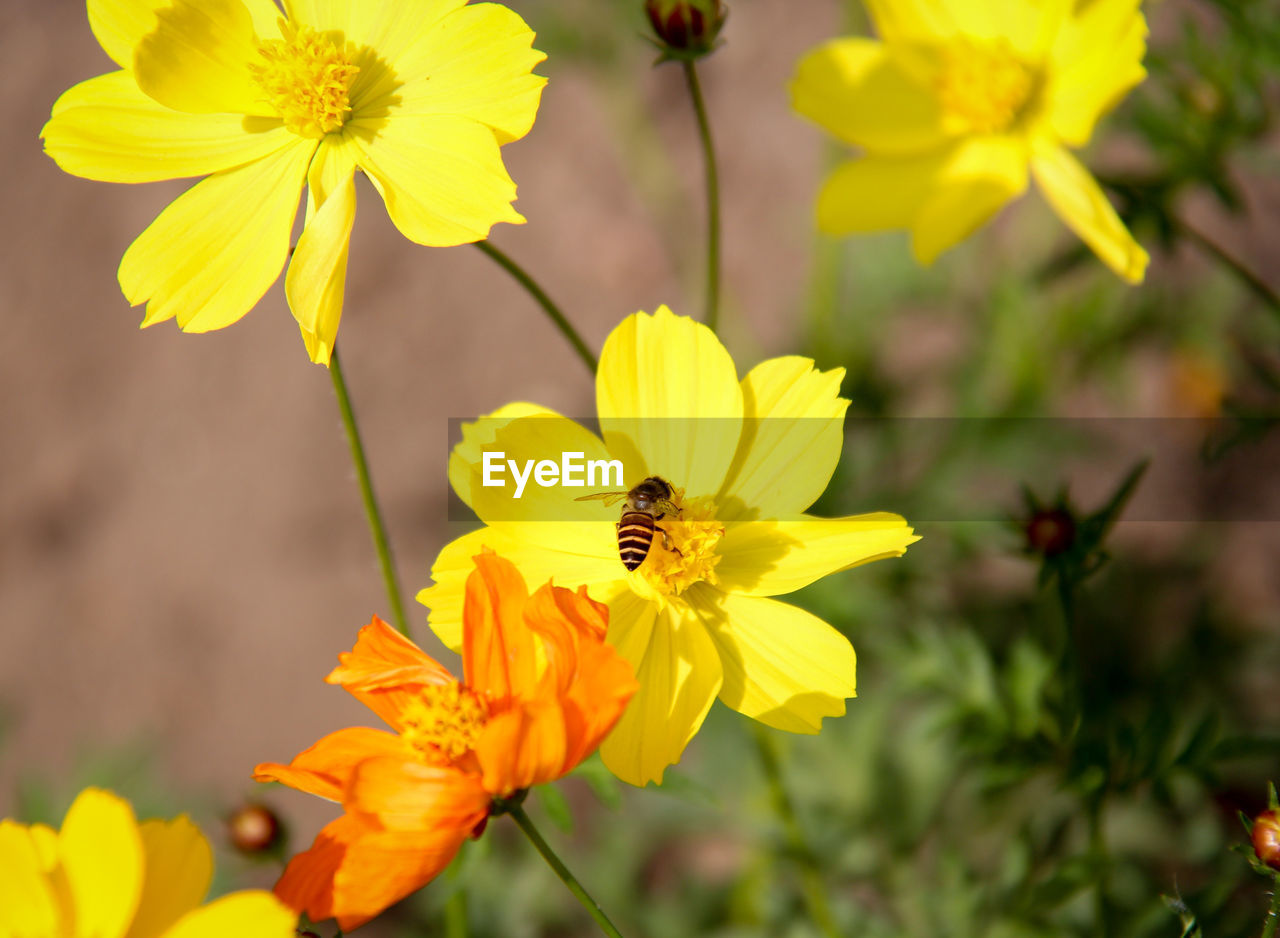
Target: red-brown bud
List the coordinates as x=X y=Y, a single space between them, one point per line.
x=687 y=27
x=1050 y=531
x=1266 y=838
x=253 y=828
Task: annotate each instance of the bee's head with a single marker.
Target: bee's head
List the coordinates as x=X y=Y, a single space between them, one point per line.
x=649 y=492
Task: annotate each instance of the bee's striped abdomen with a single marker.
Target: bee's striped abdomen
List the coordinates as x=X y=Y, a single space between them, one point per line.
x=635 y=537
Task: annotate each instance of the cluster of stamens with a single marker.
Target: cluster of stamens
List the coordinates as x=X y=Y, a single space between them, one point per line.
x=307 y=79
x=984 y=84
x=444 y=719
x=684 y=550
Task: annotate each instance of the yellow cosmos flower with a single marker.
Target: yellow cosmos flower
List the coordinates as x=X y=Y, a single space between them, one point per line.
x=106 y=876
x=417 y=95
x=695 y=620
x=958 y=100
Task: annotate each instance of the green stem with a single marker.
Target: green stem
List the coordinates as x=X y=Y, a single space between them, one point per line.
x=815 y=891
x=713 y=197
x=575 y=887
x=540 y=296
x=1273 y=916
x=455 y=910
x=1256 y=284
x=371 y=511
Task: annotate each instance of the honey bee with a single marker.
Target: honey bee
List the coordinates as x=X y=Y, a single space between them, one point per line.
x=645 y=505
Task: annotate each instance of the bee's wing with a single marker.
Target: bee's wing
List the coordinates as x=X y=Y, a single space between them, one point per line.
x=609 y=498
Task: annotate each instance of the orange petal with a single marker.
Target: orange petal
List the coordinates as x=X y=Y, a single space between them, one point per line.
x=352 y=871
x=403 y=794
x=498 y=651
x=595 y=702
x=591 y=680
x=522 y=746
x=384 y=669
x=565 y=620
x=326 y=767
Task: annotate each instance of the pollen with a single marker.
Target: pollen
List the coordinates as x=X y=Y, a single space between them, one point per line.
x=984 y=85
x=444 y=720
x=307 y=79
x=687 y=555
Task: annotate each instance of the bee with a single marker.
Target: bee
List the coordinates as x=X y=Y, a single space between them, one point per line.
x=645 y=505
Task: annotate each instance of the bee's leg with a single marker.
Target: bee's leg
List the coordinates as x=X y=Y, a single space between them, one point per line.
x=666 y=541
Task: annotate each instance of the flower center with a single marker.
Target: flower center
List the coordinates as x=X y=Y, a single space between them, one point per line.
x=444 y=719
x=687 y=554
x=983 y=84
x=306 y=78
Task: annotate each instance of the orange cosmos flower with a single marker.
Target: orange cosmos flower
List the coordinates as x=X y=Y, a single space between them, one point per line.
x=540 y=690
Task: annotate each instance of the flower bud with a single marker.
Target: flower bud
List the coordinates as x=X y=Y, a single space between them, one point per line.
x=1050 y=531
x=1266 y=838
x=253 y=828
x=687 y=28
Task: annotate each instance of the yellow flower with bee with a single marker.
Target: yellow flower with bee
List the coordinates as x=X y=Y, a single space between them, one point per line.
x=959 y=103
x=725 y=468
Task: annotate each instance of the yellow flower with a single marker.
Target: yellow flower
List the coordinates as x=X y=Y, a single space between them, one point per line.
x=106 y=876
x=958 y=100
x=695 y=619
x=418 y=96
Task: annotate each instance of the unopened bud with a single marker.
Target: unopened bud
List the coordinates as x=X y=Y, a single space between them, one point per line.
x=1051 y=531
x=1266 y=838
x=253 y=828
x=686 y=27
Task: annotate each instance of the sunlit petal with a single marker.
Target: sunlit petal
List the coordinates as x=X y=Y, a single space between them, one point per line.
x=669 y=401
x=1080 y=202
x=678 y=669
x=782 y=666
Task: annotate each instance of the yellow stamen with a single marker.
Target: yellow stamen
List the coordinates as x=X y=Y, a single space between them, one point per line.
x=687 y=554
x=444 y=719
x=984 y=84
x=306 y=78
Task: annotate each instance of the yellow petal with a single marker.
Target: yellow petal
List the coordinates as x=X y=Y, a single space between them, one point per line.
x=854 y=88
x=1076 y=197
x=876 y=193
x=1028 y=25
x=669 y=401
x=441 y=177
x=679 y=672
x=573 y=554
x=768 y=558
x=119 y=25
x=1095 y=61
x=212 y=254
x=317 y=274
x=45 y=839
x=477 y=63
x=28 y=903
x=978 y=178
x=534 y=442
x=101 y=853
x=179 y=868
x=782 y=666
x=912 y=20
x=791 y=439
x=388 y=28
x=107 y=129
x=476 y=436
x=250 y=914
x=197 y=59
